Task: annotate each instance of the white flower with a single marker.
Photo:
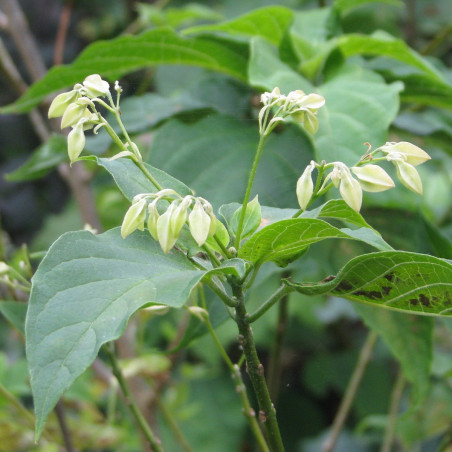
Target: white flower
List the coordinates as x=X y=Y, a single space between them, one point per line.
x=412 y=154
x=373 y=178
x=95 y=86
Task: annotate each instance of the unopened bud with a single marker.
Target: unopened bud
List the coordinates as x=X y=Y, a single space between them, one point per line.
x=199 y=222
x=409 y=176
x=73 y=114
x=412 y=154
x=164 y=231
x=373 y=178
x=351 y=191
x=199 y=312
x=179 y=216
x=61 y=102
x=153 y=216
x=95 y=86
x=305 y=187
x=75 y=142
x=4 y=268
x=134 y=218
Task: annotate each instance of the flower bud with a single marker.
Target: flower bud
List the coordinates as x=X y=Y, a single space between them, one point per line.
x=305 y=187
x=73 y=114
x=414 y=155
x=351 y=191
x=409 y=176
x=199 y=312
x=373 y=178
x=179 y=216
x=4 y=268
x=95 y=86
x=153 y=216
x=134 y=218
x=164 y=231
x=61 y=102
x=199 y=222
x=75 y=142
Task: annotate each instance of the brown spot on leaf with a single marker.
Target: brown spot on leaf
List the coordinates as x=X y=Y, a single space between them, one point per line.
x=414 y=301
x=389 y=277
x=344 y=286
x=425 y=300
x=372 y=294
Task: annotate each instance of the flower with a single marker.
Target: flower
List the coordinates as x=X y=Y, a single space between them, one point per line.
x=305 y=187
x=95 y=86
x=411 y=153
x=199 y=222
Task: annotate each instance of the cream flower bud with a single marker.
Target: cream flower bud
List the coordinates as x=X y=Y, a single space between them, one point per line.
x=4 y=268
x=373 y=178
x=153 y=216
x=409 y=176
x=199 y=223
x=61 y=102
x=73 y=114
x=351 y=191
x=199 y=312
x=413 y=154
x=134 y=218
x=75 y=142
x=305 y=187
x=179 y=216
x=164 y=232
x=95 y=86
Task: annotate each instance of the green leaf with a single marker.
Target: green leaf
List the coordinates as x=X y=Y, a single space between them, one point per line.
x=410 y=339
x=339 y=210
x=410 y=282
x=14 y=312
x=126 y=54
x=345 y=6
x=45 y=158
x=251 y=221
x=131 y=180
x=269 y=22
x=284 y=240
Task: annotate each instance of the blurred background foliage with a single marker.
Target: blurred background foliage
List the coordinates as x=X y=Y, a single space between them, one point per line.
x=199 y=125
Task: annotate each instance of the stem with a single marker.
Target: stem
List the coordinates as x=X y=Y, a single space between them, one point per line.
x=267 y=412
x=65 y=432
x=394 y=404
x=132 y=404
x=274 y=366
x=224 y=297
x=350 y=393
x=239 y=385
x=248 y=188
x=169 y=418
x=281 y=292
x=62 y=33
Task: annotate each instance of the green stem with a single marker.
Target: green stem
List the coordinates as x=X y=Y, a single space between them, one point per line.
x=148 y=174
x=281 y=292
x=219 y=291
x=350 y=393
x=135 y=410
x=267 y=412
x=238 y=381
x=248 y=188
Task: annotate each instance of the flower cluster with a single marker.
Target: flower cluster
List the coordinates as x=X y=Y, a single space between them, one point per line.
x=366 y=176
x=166 y=228
x=300 y=106
x=77 y=109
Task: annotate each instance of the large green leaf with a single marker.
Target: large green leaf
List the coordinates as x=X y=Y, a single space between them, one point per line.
x=345 y=6
x=205 y=155
x=83 y=294
x=410 y=339
x=130 y=53
x=410 y=282
x=269 y=22
x=359 y=107
x=284 y=240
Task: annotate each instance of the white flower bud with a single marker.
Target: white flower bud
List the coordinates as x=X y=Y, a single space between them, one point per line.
x=75 y=142
x=373 y=178
x=409 y=176
x=199 y=222
x=412 y=154
x=305 y=187
x=4 y=268
x=134 y=218
x=165 y=235
x=95 y=86
x=351 y=191
x=73 y=114
x=199 y=312
x=153 y=216
x=61 y=102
